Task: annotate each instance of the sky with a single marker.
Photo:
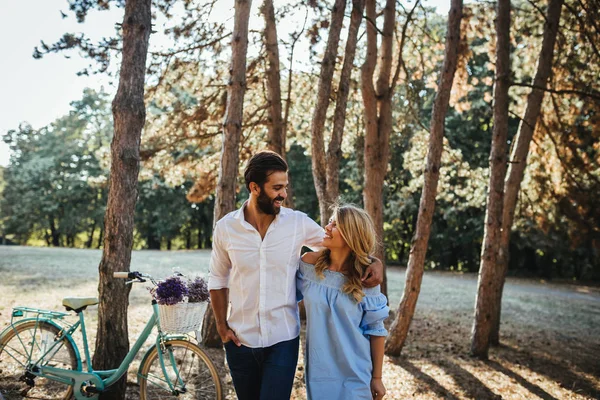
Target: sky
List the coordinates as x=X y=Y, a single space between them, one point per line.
x=40 y=91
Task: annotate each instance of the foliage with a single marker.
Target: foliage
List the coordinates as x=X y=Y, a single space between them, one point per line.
x=56 y=186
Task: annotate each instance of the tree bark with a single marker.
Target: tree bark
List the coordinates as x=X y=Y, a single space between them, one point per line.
x=518 y=158
x=378 y=116
x=277 y=133
x=129 y=116
x=319 y=164
x=486 y=286
x=414 y=272
x=232 y=131
x=276 y=138
x=334 y=150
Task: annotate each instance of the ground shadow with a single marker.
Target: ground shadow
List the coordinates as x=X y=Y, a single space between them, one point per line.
x=538 y=391
x=540 y=364
x=431 y=384
x=471 y=386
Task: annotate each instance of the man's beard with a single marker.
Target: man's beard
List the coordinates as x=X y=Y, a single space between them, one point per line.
x=266 y=204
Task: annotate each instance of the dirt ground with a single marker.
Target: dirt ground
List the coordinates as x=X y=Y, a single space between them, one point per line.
x=550 y=332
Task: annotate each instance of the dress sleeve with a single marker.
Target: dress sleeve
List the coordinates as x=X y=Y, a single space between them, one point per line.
x=375 y=311
x=220 y=264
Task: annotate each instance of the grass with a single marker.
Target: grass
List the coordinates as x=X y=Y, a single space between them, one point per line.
x=550 y=332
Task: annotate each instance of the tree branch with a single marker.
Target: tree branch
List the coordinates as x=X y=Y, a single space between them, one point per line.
x=593 y=94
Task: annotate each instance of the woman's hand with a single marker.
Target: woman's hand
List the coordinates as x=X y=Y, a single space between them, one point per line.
x=377 y=389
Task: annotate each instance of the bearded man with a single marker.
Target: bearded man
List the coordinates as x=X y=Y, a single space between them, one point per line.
x=253 y=266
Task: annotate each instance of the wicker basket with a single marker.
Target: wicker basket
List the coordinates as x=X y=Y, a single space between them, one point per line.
x=182 y=317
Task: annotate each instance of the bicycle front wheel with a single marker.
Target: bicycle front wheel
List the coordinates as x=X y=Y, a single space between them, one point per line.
x=26 y=347
x=198 y=376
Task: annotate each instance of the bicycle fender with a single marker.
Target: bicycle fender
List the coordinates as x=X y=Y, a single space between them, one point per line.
x=50 y=322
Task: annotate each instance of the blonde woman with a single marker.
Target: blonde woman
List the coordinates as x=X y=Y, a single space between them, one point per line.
x=344 y=320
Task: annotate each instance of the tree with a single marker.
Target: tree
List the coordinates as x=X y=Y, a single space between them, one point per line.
x=377 y=101
x=129 y=114
x=277 y=124
x=319 y=163
x=232 y=130
x=518 y=158
x=62 y=162
x=414 y=272
x=276 y=136
x=493 y=220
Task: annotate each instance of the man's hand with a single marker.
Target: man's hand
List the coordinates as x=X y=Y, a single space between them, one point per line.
x=227 y=334
x=373 y=275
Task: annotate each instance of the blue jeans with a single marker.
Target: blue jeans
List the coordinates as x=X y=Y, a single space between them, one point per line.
x=265 y=373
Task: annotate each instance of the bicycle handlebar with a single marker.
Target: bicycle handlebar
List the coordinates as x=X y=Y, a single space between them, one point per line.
x=133 y=276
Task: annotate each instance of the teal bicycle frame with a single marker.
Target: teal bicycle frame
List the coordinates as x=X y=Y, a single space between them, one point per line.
x=101 y=379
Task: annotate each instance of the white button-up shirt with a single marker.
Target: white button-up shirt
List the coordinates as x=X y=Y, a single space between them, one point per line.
x=261 y=273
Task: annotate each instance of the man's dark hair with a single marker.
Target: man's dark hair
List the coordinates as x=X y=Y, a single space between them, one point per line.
x=261 y=165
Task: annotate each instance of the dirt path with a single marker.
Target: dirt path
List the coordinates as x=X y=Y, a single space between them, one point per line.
x=550 y=332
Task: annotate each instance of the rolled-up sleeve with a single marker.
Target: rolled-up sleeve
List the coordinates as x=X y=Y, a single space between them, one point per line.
x=220 y=264
x=375 y=311
x=313 y=234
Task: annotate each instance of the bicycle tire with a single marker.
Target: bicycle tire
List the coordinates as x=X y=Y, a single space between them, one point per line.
x=14 y=345
x=196 y=369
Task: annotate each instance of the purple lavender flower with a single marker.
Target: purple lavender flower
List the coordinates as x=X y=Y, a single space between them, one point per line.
x=171 y=291
x=198 y=290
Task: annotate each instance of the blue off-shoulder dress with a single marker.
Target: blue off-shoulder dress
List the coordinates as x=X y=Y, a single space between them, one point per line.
x=338 y=349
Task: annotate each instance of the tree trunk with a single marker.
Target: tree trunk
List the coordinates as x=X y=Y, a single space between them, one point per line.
x=152 y=242
x=54 y=232
x=276 y=138
x=378 y=116
x=100 y=238
x=319 y=164
x=486 y=285
x=518 y=159
x=232 y=130
x=188 y=238
x=129 y=116
x=414 y=271
x=88 y=244
x=334 y=151
x=277 y=133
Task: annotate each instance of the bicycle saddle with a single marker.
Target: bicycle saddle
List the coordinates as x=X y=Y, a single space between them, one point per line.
x=79 y=303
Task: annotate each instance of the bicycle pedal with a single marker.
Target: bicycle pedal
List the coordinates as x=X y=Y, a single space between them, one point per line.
x=28 y=378
x=91 y=390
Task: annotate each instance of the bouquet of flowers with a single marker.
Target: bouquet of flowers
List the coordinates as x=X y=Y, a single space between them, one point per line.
x=182 y=303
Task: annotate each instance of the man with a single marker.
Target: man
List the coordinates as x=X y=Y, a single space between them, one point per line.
x=253 y=265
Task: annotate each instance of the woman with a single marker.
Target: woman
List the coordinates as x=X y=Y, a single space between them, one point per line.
x=344 y=329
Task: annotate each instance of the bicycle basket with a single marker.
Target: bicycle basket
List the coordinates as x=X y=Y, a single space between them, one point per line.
x=182 y=317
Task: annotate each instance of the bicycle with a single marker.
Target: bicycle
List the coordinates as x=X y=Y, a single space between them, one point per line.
x=38 y=356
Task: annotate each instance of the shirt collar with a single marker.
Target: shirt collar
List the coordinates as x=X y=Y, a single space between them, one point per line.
x=239 y=215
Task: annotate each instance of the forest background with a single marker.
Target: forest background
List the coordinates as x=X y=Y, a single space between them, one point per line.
x=387 y=105
x=54 y=190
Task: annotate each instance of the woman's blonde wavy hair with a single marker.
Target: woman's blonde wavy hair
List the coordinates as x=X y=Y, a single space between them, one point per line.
x=358 y=231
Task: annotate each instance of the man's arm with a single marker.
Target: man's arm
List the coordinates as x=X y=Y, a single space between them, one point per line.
x=219 y=300
x=218 y=285
x=373 y=275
